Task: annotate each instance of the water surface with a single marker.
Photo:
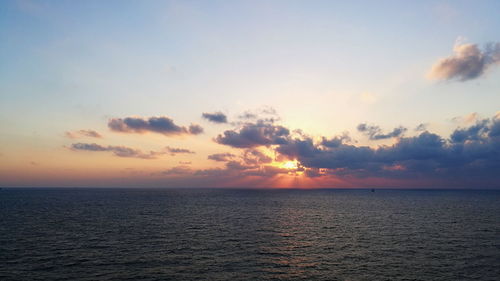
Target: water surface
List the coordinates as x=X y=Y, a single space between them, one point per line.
x=216 y=234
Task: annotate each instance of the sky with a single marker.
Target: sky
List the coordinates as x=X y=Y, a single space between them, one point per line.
x=263 y=94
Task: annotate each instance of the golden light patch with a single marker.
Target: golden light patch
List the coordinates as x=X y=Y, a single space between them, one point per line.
x=291 y=165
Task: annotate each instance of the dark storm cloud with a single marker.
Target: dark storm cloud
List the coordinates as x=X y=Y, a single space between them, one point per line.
x=256 y=134
x=120 y=151
x=216 y=117
x=82 y=133
x=163 y=125
x=221 y=157
x=173 y=150
x=468 y=62
x=375 y=133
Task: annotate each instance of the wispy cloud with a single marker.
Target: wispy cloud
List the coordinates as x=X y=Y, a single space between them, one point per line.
x=174 y=151
x=375 y=133
x=221 y=157
x=82 y=133
x=120 y=151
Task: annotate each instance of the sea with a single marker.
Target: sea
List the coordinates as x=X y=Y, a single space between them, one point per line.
x=248 y=234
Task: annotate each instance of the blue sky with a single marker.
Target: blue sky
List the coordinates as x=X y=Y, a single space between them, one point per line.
x=324 y=66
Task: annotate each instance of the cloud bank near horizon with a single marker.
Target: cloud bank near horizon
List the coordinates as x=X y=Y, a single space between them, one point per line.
x=470 y=155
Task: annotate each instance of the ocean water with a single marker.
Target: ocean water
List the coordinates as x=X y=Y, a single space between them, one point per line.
x=216 y=234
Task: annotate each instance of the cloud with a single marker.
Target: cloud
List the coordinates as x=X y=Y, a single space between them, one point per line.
x=470 y=154
x=174 y=151
x=468 y=157
x=249 y=159
x=248 y=115
x=179 y=170
x=82 y=133
x=375 y=133
x=236 y=165
x=265 y=114
x=120 y=151
x=468 y=62
x=221 y=157
x=335 y=141
x=466 y=119
x=421 y=127
x=261 y=133
x=195 y=129
x=216 y=117
x=255 y=157
x=163 y=125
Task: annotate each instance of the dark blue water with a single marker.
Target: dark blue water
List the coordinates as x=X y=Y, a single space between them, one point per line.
x=134 y=234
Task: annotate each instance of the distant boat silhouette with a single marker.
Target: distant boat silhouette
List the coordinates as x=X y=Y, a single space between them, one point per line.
x=373 y=190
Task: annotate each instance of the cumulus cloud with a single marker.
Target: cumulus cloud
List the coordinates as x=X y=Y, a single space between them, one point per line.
x=470 y=156
x=216 y=117
x=335 y=141
x=468 y=62
x=82 y=133
x=163 y=125
x=470 y=153
x=120 y=151
x=250 y=135
x=173 y=151
x=375 y=133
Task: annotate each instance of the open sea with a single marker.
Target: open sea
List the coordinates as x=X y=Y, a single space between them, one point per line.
x=221 y=234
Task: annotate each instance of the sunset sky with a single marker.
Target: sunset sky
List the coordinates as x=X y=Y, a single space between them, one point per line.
x=306 y=94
